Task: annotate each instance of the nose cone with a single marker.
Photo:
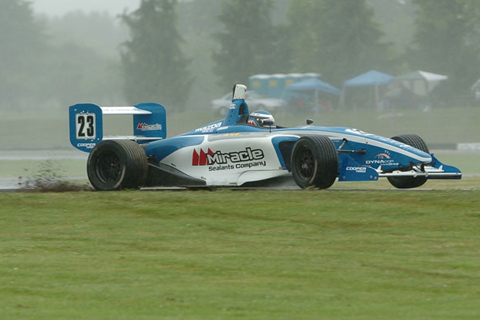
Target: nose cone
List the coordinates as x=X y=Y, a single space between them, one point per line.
x=425 y=157
x=415 y=154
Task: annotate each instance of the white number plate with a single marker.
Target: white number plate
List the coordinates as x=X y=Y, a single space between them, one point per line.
x=85 y=123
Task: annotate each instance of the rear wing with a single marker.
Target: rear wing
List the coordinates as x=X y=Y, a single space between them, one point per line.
x=86 y=123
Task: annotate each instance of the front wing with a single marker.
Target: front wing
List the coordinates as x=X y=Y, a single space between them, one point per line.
x=350 y=170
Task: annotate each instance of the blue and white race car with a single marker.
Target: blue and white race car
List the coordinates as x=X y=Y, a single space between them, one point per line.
x=244 y=149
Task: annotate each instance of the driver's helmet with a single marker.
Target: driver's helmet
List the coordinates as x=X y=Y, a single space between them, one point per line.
x=257 y=118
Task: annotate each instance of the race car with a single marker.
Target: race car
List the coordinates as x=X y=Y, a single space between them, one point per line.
x=245 y=148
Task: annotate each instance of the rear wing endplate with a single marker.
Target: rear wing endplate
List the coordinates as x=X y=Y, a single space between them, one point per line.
x=86 y=123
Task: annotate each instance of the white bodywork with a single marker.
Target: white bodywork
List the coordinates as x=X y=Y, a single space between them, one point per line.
x=228 y=161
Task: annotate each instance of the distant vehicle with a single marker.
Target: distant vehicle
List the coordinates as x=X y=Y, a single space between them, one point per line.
x=255 y=100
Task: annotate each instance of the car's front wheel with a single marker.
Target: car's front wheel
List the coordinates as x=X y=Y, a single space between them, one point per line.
x=314 y=162
x=410 y=182
x=117 y=164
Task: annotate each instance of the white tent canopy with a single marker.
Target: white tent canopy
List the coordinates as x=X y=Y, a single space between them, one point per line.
x=420 y=82
x=416 y=87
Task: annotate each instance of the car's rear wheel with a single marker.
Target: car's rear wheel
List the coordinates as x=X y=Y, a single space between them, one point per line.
x=314 y=162
x=117 y=164
x=410 y=182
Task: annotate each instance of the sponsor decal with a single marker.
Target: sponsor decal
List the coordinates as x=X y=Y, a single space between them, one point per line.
x=86 y=145
x=209 y=128
x=357 y=169
x=381 y=158
x=385 y=155
x=149 y=127
x=200 y=158
x=359 y=132
x=218 y=160
x=379 y=161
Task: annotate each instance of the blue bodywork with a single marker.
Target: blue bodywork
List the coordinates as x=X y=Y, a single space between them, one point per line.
x=361 y=156
x=359 y=153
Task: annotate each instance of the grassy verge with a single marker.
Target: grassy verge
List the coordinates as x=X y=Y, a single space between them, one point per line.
x=240 y=255
x=467 y=163
x=466 y=183
x=442 y=125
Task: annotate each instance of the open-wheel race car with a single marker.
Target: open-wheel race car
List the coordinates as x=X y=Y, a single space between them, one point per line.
x=244 y=149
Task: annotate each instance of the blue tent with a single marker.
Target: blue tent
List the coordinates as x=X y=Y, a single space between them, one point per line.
x=368 y=79
x=373 y=79
x=313 y=84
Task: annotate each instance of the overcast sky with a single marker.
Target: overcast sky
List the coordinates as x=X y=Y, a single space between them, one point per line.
x=60 y=7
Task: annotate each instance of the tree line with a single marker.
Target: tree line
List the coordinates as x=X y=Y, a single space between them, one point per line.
x=174 y=47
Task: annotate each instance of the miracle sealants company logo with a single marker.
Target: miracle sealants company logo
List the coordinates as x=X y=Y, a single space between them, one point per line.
x=218 y=161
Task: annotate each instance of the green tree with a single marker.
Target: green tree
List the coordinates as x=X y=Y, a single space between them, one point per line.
x=77 y=73
x=96 y=30
x=446 y=42
x=338 y=39
x=154 y=65
x=249 y=42
x=23 y=47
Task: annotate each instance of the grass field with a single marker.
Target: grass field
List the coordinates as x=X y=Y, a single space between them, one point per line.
x=33 y=130
x=240 y=255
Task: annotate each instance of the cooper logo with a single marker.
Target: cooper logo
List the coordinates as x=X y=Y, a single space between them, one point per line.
x=86 y=145
x=357 y=169
x=203 y=158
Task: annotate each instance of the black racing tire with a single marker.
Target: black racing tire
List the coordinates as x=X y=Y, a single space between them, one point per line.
x=314 y=162
x=117 y=164
x=409 y=182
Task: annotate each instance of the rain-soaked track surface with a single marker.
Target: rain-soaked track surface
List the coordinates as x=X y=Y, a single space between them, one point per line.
x=42 y=155
x=11 y=184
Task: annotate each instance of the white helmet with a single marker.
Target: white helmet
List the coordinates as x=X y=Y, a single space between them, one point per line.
x=261 y=119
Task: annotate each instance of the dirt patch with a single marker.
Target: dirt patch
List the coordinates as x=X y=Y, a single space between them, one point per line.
x=48 y=176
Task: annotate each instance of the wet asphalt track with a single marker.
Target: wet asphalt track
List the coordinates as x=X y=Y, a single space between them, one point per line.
x=12 y=184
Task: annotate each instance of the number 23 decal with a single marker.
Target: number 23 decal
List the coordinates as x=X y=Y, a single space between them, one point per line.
x=85 y=126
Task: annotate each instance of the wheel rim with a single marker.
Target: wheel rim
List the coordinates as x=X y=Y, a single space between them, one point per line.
x=108 y=167
x=305 y=162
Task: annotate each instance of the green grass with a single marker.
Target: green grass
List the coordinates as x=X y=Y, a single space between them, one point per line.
x=240 y=255
x=466 y=183
x=30 y=130
x=468 y=163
